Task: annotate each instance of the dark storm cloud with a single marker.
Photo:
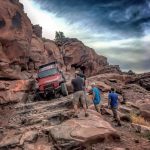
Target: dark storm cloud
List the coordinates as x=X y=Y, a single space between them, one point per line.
x=117 y=29
x=126 y=17
x=134 y=58
x=137 y=66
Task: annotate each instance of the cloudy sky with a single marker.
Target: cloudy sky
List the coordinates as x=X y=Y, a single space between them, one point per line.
x=117 y=29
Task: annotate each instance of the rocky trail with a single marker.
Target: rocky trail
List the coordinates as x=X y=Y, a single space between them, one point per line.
x=34 y=117
x=131 y=138
x=47 y=125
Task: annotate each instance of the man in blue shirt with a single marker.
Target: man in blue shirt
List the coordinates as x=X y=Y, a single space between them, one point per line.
x=96 y=97
x=113 y=104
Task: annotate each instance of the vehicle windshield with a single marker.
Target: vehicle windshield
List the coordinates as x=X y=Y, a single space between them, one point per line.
x=46 y=73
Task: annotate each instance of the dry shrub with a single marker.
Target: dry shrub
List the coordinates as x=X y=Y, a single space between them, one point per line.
x=139 y=120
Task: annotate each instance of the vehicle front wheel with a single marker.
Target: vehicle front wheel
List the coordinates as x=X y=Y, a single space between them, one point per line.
x=64 y=90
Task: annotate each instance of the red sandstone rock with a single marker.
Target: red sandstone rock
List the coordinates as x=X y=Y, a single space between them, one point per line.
x=53 y=51
x=15 y=36
x=141 y=128
x=76 y=54
x=37 y=51
x=83 y=130
x=14 y=91
x=145 y=109
x=37 y=30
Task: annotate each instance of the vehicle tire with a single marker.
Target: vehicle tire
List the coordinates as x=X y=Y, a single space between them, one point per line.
x=64 y=90
x=57 y=95
x=37 y=96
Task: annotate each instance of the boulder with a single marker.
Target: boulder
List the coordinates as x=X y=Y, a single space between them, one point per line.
x=14 y=91
x=144 y=108
x=135 y=94
x=143 y=80
x=141 y=128
x=145 y=114
x=30 y=136
x=10 y=140
x=75 y=132
x=9 y=97
x=110 y=69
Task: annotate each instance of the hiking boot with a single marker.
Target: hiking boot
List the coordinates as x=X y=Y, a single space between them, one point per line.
x=75 y=116
x=123 y=103
x=86 y=114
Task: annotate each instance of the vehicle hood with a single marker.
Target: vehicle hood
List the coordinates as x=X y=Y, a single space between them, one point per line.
x=49 y=79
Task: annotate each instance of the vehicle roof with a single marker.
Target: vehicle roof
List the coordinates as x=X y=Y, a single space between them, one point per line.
x=48 y=64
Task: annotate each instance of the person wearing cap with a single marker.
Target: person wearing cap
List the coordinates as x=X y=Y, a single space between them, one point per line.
x=96 y=97
x=78 y=87
x=113 y=104
x=80 y=73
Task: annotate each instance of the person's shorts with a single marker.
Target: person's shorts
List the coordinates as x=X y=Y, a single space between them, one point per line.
x=79 y=95
x=114 y=110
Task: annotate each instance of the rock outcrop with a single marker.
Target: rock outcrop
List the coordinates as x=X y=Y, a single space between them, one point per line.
x=142 y=80
x=37 y=30
x=15 y=38
x=76 y=55
x=38 y=54
x=14 y=91
x=22 y=49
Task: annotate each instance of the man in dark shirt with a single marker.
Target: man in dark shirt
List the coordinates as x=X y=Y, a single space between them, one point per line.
x=113 y=104
x=78 y=85
x=80 y=73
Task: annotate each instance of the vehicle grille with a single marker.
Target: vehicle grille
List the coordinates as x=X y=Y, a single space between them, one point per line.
x=48 y=87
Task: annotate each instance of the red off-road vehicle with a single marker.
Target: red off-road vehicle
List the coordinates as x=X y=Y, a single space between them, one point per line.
x=51 y=81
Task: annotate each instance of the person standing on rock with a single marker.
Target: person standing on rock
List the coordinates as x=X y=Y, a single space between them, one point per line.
x=113 y=104
x=96 y=97
x=84 y=87
x=78 y=85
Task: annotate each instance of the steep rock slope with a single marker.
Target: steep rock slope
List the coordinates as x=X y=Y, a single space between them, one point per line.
x=22 y=50
x=15 y=38
x=76 y=54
